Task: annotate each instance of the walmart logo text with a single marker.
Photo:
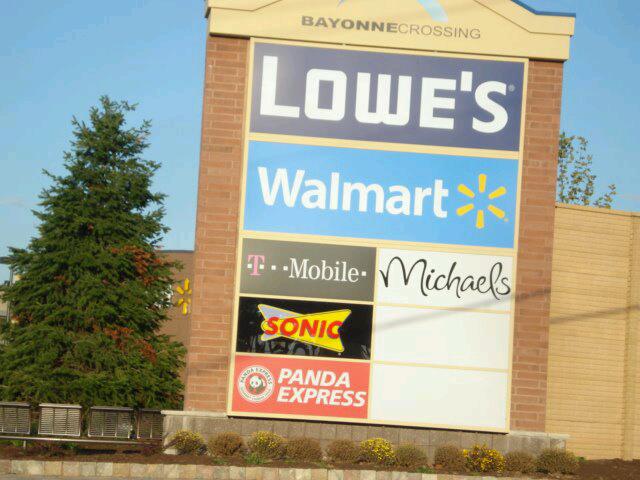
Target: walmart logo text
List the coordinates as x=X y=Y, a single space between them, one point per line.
x=337 y=194
x=347 y=196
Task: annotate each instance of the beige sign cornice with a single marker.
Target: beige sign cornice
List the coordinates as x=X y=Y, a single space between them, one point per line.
x=482 y=27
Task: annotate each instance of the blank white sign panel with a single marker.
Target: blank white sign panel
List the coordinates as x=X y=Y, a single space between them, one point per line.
x=439 y=396
x=441 y=337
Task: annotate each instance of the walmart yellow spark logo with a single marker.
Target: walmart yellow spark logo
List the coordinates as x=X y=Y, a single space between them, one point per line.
x=185 y=296
x=482 y=187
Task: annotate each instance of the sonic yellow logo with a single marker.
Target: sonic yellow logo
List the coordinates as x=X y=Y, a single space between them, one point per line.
x=185 y=296
x=317 y=329
x=482 y=187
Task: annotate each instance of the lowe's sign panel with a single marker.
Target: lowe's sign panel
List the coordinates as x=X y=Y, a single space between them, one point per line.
x=384 y=97
x=347 y=192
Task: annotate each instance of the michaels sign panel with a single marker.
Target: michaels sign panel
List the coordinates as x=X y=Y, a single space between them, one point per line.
x=385 y=97
x=378 y=237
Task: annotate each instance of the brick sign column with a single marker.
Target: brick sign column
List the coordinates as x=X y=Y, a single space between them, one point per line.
x=217 y=223
x=537 y=213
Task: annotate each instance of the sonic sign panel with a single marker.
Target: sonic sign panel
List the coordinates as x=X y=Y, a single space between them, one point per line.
x=378 y=241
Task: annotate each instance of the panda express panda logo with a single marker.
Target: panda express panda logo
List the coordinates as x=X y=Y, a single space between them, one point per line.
x=256 y=384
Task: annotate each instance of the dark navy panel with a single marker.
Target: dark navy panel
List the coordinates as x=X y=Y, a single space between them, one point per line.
x=294 y=62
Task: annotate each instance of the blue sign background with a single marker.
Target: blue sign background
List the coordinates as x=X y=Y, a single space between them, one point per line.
x=386 y=169
x=295 y=61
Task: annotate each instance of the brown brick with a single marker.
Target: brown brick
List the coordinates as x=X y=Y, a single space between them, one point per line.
x=217 y=226
x=535 y=253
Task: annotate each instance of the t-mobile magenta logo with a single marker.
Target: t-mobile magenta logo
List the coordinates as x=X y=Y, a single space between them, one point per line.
x=256 y=264
x=432 y=7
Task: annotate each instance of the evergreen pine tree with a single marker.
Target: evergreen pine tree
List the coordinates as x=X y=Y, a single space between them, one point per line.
x=93 y=289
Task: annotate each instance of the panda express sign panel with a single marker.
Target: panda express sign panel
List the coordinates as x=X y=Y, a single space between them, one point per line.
x=318 y=388
x=378 y=237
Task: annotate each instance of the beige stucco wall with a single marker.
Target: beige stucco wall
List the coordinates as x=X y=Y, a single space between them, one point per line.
x=594 y=366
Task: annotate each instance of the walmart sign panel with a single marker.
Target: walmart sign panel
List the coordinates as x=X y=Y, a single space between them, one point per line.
x=374 y=184
x=345 y=192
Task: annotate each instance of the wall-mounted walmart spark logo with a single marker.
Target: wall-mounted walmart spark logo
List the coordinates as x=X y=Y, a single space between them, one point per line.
x=482 y=187
x=432 y=7
x=184 y=301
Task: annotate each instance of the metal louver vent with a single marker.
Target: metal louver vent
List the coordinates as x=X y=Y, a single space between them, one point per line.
x=63 y=420
x=150 y=425
x=111 y=422
x=15 y=418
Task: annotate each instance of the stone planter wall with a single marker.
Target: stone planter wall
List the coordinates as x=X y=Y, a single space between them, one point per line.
x=209 y=424
x=203 y=472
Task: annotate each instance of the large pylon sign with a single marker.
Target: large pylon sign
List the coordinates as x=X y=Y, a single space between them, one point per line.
x=380 y=213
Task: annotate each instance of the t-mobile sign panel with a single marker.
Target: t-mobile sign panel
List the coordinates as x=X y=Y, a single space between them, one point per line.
x=387 y=97
x=307 y=270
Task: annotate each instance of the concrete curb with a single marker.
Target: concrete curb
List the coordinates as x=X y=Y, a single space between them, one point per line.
x=206 y=472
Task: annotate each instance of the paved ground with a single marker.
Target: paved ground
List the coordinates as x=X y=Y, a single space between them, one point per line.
x=14 y=477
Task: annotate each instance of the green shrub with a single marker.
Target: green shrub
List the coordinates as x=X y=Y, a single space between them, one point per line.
x=267 y=445
x=410 y=456
x=450 y=457
x=304 y=450
x=520 y=462
x=188 y=443
x=377 y=450
x=226 y=445
x=343 y=451
x=425 y=469
x=484 y=459
x=254 y=459
x=557 y=461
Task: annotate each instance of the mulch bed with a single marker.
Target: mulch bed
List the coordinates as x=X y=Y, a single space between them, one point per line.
x=589 y=470
x=609 y=470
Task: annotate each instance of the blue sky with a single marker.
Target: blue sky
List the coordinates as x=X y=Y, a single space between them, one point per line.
x=58 y=57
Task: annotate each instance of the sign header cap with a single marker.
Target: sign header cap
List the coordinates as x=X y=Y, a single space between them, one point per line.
x=480 y=27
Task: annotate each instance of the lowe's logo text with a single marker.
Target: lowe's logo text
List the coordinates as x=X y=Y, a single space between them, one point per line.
x=387 y=97
x=344 y=192
x=433 y=97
